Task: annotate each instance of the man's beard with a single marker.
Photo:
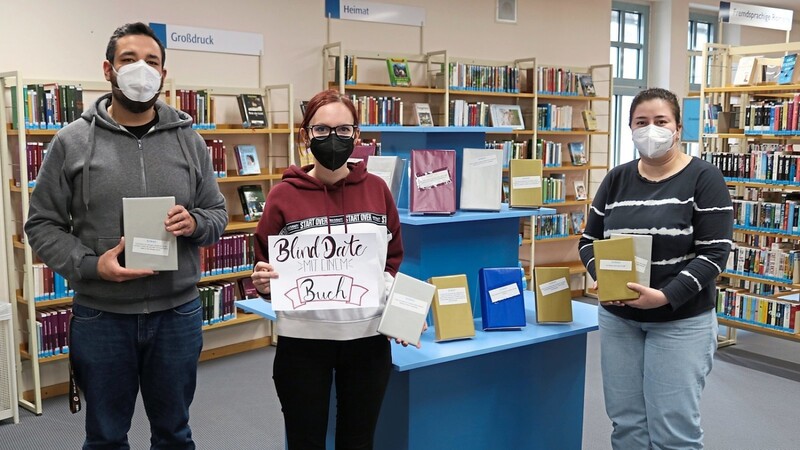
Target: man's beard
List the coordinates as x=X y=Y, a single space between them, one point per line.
x=135 y=107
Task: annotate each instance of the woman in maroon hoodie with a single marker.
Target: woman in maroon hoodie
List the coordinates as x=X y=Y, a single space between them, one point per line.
x=316 y=347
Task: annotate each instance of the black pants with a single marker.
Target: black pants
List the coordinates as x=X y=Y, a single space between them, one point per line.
x=303 y=372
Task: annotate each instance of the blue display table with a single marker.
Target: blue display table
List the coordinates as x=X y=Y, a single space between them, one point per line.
x=501 y=389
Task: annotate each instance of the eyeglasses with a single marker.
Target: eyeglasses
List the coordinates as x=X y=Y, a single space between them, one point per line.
x=323 y=131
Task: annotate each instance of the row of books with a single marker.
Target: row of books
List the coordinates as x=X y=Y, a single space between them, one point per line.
x=561 y=81
x=34 y=153
x=552 y=117
x=501 y=301
x=52 y=328
x=199 y=105
x=758 y=69
x=776 y=313
x=219 y=160
x=776 y=263
x=549 y=152
x=47 y=106
x=776 y=167
x=49 y=285
x=483 y=78
x=767 y=216
x=773 y=117
x=511 y=150
x=554 y=189
x=551 y=226
x=469 y=114
x=350 y=69
x=378 y=110
x=232 y=253
x=217 y=301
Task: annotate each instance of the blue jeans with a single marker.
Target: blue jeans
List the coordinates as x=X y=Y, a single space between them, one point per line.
x=653 y=375
x=113 y=355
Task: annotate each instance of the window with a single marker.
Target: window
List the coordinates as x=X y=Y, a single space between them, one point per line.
x=629 y=30
x=701 y=31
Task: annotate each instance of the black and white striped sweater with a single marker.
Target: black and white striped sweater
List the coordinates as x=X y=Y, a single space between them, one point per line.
x=690 y=217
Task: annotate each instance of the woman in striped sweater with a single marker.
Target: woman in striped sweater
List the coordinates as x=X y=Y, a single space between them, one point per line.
x=657 y=350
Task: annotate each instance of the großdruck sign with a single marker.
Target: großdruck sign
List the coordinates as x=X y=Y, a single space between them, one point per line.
x=331 y=271
x=183 y=37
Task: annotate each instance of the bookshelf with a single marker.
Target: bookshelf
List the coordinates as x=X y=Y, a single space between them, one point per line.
x=751 y=134
x=275 y=147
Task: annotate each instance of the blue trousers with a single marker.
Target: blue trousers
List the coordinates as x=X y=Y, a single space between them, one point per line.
x=653 y=376
x=115 y=355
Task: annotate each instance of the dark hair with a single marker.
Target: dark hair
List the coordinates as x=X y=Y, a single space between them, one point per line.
x=127 y=30
x=653 y=94
x=324 y=98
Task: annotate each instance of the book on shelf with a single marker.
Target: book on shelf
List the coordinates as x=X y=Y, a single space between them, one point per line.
x=508 y=116
x=433 y=182
x=148 y=244
x=406 y=308
x=246 y=288
x=481 y=179
x=580 y=190
x=577 y=220
x=789 y=72
x=577 y=153
x=587 y=85
x=251 y=108
x=553 y=294
x=247 y=160
x=398 y=72
x=303 y=106
x=452 y=309
x=502 y=301
x=768 y=69
x=615 y=266
x=251 y=197
x=589 y=120
x=525 y=183
x=390 y=169
x=643 y=251
x=350 y=69
x=745 y=70
x=362 y=152
x=422 y=111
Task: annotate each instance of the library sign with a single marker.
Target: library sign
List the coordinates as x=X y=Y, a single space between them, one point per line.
x=756 y=16
x=181 y=37
x=331 y=271
x=374 y=12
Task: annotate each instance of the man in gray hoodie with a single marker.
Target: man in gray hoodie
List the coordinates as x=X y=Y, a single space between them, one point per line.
x=130 y=328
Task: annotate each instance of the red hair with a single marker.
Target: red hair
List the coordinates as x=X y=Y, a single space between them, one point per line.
x=324 y=98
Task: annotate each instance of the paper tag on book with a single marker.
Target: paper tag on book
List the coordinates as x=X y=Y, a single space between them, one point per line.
x=452 y=296
x=504 y=292
x=526 y=182
x=484 y=161
x=146 y=246
x=614 y=264
x=551 y=287
x=433 y=179
x=409 y=303
x=641 y=264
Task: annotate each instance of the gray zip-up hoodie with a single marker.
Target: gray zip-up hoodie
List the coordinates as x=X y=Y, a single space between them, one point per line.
x=76 y=208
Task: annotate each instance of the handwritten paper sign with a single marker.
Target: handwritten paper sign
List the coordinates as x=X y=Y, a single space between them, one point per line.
x=332 y=271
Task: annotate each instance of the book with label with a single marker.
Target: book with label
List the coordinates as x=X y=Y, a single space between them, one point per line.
x=433 y=182
x=247 y=160
x=502 y=301
x=744 y=71
x=643 y=251
x=406 y=308
x=148 y=244
x=390 y=169
x=452 y=309
x=615 y=266
x=251 y=108
x=553 y=295
x=251 y=197
x=481 y=179
x=422 y=111
x=789 y=73
x=526 y=183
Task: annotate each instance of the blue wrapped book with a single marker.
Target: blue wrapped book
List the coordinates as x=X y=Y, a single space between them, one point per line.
x=502 y=302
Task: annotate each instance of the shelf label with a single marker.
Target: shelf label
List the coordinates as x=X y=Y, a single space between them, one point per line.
x=756 y=16
x=375 y=12
x=180 y=37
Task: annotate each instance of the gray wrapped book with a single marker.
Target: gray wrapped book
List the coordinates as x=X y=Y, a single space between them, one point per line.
x=406 y=308
x=390 y=170
x=481 y=179
x=148 y=244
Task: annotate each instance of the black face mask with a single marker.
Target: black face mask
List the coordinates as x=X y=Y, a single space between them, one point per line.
x=333 y=151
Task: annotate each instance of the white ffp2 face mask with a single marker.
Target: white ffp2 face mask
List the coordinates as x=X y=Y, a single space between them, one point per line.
x=653 y=141
x=138 y=81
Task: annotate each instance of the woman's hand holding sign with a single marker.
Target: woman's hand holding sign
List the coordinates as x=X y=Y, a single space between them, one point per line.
x=262 y=273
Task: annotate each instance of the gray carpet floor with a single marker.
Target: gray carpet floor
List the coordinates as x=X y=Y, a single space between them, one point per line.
x=750 y=403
